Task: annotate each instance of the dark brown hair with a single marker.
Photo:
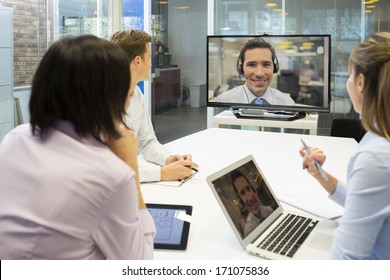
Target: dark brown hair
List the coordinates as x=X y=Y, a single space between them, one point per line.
x=84 y=80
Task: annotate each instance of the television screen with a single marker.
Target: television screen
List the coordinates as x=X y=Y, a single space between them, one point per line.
x=275 y=73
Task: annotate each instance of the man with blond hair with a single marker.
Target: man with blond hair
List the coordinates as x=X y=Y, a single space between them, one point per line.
x=159 y=164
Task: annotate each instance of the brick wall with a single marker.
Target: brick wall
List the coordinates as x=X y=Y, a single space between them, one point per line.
x=29 y=37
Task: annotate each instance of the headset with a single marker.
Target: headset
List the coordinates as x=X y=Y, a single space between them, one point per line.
x=253 y=44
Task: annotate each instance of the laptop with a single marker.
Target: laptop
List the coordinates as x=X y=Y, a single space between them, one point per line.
x=259 y=221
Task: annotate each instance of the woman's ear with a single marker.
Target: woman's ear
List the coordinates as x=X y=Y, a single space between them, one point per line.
x=361 y=82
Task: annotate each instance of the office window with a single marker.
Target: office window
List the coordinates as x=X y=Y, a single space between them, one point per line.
x=133 y=14
x=72 y=17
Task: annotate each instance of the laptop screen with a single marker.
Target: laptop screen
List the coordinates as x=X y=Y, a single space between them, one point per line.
x=246 y=197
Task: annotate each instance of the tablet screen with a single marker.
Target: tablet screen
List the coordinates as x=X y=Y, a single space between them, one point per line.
x=172 y=225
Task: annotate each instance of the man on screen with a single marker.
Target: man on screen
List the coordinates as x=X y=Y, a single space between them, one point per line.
x=247 y=194
x=257 y=62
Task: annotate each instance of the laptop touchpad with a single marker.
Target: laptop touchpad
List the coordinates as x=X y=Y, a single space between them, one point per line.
x=321 y=241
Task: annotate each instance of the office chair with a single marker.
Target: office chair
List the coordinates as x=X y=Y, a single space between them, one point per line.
x=350 y=128
x=288 y=82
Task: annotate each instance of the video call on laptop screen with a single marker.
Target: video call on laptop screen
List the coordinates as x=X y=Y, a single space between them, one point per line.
x=246 y=197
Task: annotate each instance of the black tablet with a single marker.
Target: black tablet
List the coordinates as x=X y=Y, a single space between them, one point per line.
x=172 y=224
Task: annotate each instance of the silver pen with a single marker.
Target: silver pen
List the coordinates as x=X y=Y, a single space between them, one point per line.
x=318 y=165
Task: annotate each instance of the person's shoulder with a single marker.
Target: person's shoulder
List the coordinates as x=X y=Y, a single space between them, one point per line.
x=279 y=93
x=230 y=95
x=285 y=96
x=374 y=142
x=20 y=131
x=373 y=152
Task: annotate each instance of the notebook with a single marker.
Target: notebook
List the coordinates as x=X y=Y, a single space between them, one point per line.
x=255 y=215
x=312 y=199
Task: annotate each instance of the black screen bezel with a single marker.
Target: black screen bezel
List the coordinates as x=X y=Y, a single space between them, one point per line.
x=185 y=230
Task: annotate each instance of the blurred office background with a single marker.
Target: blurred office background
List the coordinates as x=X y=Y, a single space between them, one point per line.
x=176 y=95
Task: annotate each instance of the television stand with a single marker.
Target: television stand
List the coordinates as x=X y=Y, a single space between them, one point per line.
x=227 y=118
x=268 y=115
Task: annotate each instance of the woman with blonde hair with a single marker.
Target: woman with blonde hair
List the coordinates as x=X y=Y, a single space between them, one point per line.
x=364 y=229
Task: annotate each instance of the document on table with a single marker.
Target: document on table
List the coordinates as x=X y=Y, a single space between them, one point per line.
x=312 y=199
x=176 y=183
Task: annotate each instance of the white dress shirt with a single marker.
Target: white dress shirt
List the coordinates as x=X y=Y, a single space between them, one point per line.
x=154 y=154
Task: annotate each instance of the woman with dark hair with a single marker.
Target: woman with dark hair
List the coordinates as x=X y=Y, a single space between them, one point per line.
x=69 y=186
x=364 y=229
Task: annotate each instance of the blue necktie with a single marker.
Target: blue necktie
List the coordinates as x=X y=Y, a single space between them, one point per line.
x=259 y=100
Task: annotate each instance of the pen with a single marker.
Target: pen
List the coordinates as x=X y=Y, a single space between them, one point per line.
x=182 y=181
x=193 y=168
x=322 y=172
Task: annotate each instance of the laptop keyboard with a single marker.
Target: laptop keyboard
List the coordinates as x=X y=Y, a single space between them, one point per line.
x=289 y=235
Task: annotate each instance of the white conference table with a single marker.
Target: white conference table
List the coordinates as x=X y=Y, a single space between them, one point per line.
x=211 y=236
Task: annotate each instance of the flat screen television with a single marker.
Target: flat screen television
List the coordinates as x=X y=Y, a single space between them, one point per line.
x=294 y=73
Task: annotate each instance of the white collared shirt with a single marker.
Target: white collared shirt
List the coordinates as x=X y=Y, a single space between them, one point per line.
x=153 y=153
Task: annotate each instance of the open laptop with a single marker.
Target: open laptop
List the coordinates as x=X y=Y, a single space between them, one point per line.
x=302 y=238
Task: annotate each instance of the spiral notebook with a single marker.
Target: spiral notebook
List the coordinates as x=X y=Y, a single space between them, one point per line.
x=311 y=199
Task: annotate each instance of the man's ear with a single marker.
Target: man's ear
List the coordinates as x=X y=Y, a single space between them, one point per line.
x=135 y=63
x=137 y=60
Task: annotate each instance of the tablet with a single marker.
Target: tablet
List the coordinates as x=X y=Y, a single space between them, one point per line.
x=172 y=224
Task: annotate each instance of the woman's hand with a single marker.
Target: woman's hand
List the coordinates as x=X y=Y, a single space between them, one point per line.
x=309 y=160
x=309 y=164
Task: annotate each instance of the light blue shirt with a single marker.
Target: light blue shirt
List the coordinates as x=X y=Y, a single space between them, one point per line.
x=364 y=229
x=243 y=95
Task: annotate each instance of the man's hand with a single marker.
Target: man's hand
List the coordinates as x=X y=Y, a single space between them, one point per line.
x=178 y=167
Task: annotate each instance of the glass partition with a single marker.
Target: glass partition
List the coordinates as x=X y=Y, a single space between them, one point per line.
x=70 y=17
x=348 y=22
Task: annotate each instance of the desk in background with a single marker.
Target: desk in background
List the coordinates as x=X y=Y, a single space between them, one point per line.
x=211 y=236
x=228 y=118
